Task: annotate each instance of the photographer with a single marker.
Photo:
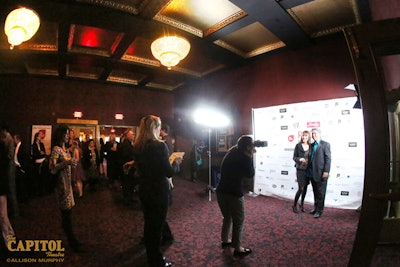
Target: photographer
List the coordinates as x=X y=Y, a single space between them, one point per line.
x=236 y=166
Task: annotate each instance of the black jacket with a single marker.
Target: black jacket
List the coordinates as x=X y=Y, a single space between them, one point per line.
x=235 y=166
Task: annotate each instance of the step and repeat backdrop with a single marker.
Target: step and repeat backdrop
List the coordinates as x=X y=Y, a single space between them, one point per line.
x=281 y=126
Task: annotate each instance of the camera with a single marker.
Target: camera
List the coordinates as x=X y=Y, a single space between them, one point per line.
x=259 y=143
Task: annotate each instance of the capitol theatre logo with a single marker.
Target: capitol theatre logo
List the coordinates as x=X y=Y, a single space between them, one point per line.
x=35 y=251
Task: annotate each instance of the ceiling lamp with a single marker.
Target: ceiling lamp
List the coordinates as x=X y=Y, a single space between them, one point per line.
x=170 y=50
x=21 y=24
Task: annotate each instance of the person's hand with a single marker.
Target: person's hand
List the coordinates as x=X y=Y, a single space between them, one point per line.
x=178 y=160
x=170 y=182
x=325 y=176
x=73 y=162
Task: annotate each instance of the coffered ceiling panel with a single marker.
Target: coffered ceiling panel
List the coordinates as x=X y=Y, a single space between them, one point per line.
x=200 y=18
x=250 y=41
x=109 y=41
x=322 y=17
x=93 y=40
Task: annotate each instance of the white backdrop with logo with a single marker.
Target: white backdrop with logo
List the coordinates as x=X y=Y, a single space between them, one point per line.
x=341 y=126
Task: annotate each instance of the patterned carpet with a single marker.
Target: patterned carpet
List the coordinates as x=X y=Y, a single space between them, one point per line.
x=111 y=232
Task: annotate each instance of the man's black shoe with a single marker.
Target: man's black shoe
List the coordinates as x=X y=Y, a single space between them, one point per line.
x=317 y=215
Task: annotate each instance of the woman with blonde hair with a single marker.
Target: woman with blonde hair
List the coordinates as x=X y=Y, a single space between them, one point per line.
x=153 y=167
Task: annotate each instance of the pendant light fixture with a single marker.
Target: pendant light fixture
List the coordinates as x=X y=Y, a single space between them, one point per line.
x=20 y=25
x=170 y=50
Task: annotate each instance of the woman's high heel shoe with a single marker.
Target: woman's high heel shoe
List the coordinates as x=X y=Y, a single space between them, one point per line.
x=294 y=208
x=302 y=208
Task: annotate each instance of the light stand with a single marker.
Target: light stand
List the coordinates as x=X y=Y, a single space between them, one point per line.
x=211 y=119
x=209 y=165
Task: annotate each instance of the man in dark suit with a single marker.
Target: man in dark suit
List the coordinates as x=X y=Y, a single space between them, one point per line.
x=319 y=166
x=126 y=156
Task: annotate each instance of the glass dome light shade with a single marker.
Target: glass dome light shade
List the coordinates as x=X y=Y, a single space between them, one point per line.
x=20 y=25
x=170 y=50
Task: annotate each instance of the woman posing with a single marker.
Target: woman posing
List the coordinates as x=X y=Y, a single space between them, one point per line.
x=60 y=166
x=152 y=163
x=300 y=156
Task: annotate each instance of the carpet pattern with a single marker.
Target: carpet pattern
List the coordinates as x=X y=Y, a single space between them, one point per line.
x=111 y=232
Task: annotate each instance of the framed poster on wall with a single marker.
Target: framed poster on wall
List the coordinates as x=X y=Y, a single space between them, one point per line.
x=224 y=139
x=46 y=130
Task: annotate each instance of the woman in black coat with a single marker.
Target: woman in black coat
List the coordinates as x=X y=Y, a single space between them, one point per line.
x=153 y=167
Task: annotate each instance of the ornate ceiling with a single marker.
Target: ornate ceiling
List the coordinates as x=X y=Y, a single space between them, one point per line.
x=109 y=40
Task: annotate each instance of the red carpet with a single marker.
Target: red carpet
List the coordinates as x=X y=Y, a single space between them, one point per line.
x=111 y=232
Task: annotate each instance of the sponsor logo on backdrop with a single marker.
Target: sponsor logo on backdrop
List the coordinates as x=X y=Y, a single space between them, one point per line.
x=291 y=138
x=284 y=127
x=282 y=110
x=313 y=124
x=284 y=172
x=346 y=112
x=344 y=193
x=352 y=144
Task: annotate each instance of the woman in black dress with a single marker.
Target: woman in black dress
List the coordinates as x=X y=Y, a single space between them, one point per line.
x=300 y=156
x=153 y=167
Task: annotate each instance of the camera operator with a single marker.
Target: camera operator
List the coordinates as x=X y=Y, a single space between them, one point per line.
x=236 y=166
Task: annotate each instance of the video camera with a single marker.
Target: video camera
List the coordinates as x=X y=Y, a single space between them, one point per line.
x=259 y=143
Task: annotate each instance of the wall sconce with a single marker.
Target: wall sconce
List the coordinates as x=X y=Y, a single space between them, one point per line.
x=119 y=116
x=20 y=25
x=78 y=114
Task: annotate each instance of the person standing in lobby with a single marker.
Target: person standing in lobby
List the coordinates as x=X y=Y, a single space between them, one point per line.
x=235 y=167
x=111 y=148
x=6 y=164
x=22 y=161
x=38 y=156
x=61 y=163
x=154 y=168
x=319 y=166
x=126 y=156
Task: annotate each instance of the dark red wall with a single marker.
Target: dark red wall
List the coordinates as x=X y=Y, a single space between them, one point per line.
x=27 y=101
x=314 y=73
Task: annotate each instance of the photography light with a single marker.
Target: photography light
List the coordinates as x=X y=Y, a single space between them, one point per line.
x=210 y=118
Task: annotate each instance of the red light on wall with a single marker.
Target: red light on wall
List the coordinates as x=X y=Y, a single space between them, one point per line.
x=89 y=38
